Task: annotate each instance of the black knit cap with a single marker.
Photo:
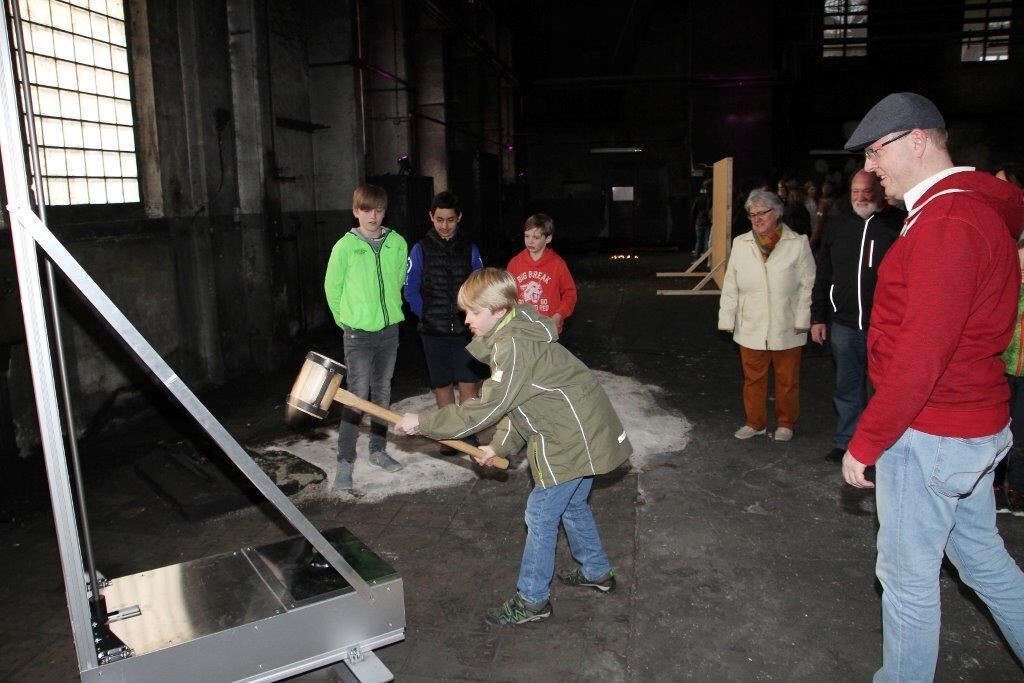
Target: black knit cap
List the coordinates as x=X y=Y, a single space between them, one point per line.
x=896 y=112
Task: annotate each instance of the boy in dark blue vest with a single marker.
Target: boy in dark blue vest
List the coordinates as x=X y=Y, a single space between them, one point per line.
x=438 y=265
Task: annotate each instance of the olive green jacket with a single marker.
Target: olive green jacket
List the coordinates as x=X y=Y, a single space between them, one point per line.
x=543 y=397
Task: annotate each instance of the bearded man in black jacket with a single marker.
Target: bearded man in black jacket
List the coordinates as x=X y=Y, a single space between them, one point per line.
x=855 y=238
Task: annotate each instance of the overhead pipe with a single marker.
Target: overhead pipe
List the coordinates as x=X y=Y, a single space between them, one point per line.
x=721 y=81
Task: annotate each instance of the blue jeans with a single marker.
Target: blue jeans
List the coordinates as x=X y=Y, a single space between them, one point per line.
x=849 y=351
x=370 y=363
x=934 y=496
x=545 y=508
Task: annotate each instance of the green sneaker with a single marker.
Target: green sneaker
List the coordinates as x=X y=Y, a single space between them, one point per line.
x=516 y=611
x=574 y=577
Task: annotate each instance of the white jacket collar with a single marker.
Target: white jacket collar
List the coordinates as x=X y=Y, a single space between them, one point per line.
x=912 y=196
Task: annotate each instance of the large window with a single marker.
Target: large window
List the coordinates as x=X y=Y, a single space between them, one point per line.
x=81 y=97
x=986 y=31
x=845 y=29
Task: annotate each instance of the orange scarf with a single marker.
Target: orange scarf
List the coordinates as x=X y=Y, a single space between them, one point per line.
x=767 y=242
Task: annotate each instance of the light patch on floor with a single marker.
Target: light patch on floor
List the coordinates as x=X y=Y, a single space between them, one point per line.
x=651 y=429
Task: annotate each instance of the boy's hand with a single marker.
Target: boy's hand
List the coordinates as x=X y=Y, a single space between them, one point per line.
x=557 y=317
x=409 y=424
x=490 y=454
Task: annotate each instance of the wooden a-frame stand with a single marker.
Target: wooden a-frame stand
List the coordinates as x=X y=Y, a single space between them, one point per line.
x=721 y=238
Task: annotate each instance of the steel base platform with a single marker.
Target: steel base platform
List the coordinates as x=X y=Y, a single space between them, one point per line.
x=256 y=614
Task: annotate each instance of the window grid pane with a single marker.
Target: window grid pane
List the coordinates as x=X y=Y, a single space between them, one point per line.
x=77 y=58
x=839 y=39
x=986 y=31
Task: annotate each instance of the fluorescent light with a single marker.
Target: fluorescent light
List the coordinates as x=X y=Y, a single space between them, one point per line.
x=616 y=150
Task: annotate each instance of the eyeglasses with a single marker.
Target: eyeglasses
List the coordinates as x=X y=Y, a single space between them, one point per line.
x=759 y=214
x=871 y=153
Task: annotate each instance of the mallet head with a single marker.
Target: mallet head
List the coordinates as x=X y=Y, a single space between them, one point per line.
x=316 y=385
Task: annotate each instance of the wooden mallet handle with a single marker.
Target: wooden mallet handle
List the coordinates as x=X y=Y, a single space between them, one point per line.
x=345 y=397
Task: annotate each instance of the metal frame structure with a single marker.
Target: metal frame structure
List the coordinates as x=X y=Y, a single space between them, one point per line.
x=281 y=648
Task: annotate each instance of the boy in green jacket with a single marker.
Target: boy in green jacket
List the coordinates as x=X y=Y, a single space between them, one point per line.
x=363 y=285
x=543 y=397
x=1009 y=477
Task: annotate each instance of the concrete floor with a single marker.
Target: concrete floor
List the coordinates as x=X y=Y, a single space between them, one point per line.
x=736 y=560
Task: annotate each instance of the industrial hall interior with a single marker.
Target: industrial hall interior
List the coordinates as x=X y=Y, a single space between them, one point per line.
x=483 y=340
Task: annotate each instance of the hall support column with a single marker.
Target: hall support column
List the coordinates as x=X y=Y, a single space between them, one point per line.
x=427 y=71
x=386 y=80
x=258 y=212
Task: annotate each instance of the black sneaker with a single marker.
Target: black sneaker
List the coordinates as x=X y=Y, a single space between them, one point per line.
x=516 y=611
x=1016 y=501
x=574 y=577
x=1002 y=501
x=835 y=455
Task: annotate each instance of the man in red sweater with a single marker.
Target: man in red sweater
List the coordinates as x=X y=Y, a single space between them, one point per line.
x=937 y=424
x=542 y=278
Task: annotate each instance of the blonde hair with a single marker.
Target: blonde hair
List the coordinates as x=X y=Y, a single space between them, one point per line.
x=490 y=288
x=369 y=197
x=542 y=222
x=939 y=137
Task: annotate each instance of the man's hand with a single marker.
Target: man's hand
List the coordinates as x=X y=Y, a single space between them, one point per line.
x=819 y=333
x=490 y=454
x=557 y=317
x=409 y=424
x=853 y=472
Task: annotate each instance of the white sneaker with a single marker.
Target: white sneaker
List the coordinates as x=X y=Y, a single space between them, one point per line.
x=783 y=434
x=746 y=431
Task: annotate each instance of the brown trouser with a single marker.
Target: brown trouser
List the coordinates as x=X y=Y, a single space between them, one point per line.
x=755 y=386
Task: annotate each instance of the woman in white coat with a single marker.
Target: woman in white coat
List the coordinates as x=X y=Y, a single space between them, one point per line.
x=766 y=304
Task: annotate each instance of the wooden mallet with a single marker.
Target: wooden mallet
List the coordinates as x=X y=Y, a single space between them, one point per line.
x=319 y=383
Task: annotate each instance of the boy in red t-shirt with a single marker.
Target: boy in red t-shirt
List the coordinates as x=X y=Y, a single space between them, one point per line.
x=542 y=278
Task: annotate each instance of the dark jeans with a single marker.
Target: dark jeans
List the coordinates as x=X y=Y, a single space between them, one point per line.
x=1011 y=469
x=370 y=363
x=849 y=352
x=702 y=234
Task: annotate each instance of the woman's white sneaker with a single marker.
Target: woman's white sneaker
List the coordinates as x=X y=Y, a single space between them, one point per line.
x=746 y=432
x=783 y=434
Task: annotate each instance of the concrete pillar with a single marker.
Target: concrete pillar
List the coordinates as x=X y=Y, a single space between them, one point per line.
x=334 y=102
x=427 y=72
x=197 y=292
x=145 y=110
x=389 y=129
x=250 y=109
x=258 y=210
